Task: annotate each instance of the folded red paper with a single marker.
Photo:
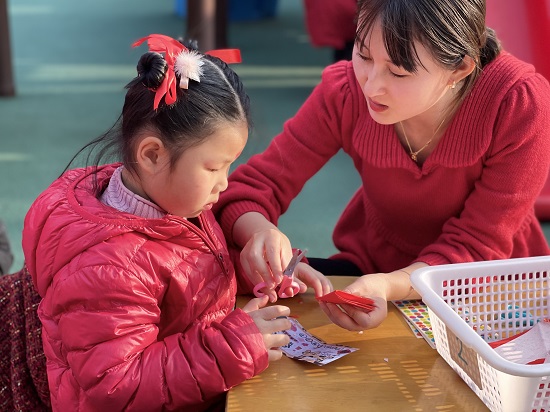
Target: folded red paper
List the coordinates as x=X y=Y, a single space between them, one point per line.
x=339 y=296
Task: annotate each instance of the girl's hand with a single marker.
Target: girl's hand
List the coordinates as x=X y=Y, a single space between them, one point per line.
x=266 y=319
x=349 y=317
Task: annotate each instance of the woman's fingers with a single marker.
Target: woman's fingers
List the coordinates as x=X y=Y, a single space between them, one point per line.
x=314 y=279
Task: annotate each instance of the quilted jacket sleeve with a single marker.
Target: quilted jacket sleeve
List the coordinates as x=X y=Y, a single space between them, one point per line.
x=107 y=331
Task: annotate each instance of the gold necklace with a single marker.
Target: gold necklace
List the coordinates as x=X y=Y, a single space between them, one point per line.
x=414 y=155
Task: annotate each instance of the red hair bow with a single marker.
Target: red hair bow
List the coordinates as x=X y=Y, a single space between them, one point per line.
x=171 y=48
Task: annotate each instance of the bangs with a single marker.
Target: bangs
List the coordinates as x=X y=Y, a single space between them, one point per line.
x=397 y=31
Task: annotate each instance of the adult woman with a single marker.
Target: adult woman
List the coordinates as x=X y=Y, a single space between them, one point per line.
x=450 y=137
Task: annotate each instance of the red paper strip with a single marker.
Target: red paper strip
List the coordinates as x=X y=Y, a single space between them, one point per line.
x=339 y=296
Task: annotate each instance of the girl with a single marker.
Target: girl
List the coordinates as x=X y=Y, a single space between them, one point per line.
x=449 y=134
x=138 y=290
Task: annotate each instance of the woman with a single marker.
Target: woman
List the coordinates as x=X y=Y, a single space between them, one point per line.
x=450 y=137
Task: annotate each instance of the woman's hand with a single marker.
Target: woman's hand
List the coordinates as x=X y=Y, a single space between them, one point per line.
x=268 y=322
x=266 y=253
x=264 y=258
x=381 y=287
x=261 y=268
x=306 y=276
x=352 y=318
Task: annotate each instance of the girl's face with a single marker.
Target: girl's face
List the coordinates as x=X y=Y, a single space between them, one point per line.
x=392 y=93
x=199 y=175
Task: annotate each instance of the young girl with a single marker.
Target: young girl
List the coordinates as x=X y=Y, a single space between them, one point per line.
x=451 y=137
x=138 y=290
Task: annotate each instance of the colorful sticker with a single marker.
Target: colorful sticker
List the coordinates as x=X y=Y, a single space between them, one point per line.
x=416 y=313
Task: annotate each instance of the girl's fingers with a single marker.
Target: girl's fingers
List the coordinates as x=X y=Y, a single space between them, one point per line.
x=255 y=304
x=275 y=311
x=274 y=354
x=277 y=340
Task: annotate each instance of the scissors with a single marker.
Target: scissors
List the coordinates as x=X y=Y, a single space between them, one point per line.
x=288 y=287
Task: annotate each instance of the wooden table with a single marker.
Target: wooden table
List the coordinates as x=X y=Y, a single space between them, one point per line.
x=392 y=371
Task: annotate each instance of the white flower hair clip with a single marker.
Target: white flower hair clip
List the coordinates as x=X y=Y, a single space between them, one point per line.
x=188 y=65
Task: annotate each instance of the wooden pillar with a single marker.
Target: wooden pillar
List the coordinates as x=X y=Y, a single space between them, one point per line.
x=207 y=23
x=7 y=87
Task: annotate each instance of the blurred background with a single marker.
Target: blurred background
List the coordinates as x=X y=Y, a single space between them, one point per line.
x=70 y=61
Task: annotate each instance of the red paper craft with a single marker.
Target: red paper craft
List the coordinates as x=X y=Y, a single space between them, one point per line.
x=339 y=296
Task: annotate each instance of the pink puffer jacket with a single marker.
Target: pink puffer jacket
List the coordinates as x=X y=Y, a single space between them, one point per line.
x=137 y=313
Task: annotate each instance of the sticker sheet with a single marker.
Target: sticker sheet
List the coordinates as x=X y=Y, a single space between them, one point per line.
x=416 y=314
x=305 y=347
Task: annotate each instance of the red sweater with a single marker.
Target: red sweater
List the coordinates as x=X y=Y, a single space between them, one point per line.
x=471 y=200
x=330 y=22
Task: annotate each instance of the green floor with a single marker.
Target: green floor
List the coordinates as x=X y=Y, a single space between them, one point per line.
x=72 y=60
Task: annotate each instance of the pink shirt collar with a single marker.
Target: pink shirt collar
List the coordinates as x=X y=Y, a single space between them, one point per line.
x=123 y=199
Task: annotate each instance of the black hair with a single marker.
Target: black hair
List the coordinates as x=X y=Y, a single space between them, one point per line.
x=448 y=29
x=218 y=97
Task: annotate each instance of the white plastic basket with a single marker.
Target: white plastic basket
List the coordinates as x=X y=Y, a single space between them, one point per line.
x=471 y=304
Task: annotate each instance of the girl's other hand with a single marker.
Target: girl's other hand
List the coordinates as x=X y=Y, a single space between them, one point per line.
x=268 y=321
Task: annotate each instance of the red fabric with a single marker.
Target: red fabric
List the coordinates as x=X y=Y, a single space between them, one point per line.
x=542 y=205
x=472 y=199
x=23 y=376
x=527 y=38
x=170 y=48
x=137 y=313
x=227 y=55
x=330 y=22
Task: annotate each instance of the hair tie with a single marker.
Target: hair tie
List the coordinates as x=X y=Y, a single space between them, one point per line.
x=181 y=61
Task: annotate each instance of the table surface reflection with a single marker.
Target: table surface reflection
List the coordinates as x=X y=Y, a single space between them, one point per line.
x=393 y=370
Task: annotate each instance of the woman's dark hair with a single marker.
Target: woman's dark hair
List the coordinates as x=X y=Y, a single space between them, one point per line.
x=219 y=97
x=449 y=29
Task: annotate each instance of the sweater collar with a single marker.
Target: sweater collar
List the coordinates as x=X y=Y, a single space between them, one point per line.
x=123 y=199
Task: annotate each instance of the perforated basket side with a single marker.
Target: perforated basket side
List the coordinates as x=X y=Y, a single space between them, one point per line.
x=482 y=379
x=471 y=304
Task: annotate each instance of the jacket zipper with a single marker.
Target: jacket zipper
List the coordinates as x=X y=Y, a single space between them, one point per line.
x=205 y=237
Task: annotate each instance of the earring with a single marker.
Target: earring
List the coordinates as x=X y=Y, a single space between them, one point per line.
x=452 y=86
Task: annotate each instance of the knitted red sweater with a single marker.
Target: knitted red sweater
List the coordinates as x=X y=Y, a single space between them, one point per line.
x=471 y=200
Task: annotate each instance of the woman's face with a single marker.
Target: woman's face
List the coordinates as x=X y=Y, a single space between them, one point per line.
x=392 y=93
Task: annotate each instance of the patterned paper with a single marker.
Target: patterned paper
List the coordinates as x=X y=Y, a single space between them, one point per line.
x=305 y=347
